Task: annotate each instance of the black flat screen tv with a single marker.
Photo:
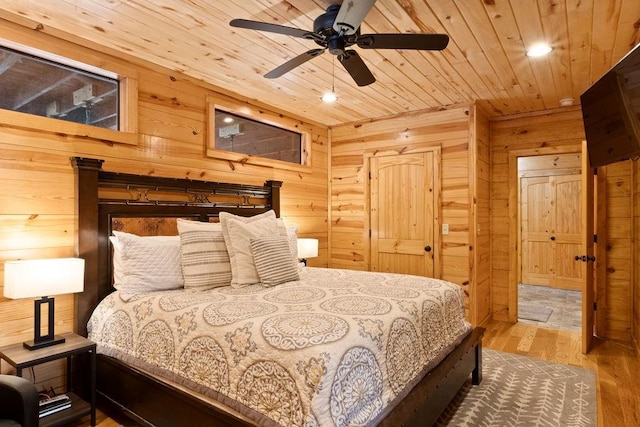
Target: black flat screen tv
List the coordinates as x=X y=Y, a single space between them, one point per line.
x=611 y=113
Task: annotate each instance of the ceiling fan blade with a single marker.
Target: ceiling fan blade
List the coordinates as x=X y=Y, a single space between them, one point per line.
x=403 y=41
x=351 y=15
x=355 y=66
x=272 y=28
x=293 y=63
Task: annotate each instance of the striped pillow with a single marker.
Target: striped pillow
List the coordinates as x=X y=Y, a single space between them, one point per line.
x=273 y=260
x=238 y=231
x=204 y=257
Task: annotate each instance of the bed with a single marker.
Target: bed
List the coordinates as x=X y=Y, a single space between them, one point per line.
x=317 y=373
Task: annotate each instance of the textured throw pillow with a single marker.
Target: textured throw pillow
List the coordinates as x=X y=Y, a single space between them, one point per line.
x=205 y=261
x=273 y=260
x=146 y=264
x=238 y=232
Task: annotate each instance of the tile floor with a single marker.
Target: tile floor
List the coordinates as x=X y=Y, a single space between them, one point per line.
x=566 y=305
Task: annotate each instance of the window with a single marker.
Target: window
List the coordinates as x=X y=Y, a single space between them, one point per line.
x=242 y=135
x=257 y=136
x=41 y=87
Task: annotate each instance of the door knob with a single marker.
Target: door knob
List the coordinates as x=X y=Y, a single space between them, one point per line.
x=427 y=248
x=553 y=237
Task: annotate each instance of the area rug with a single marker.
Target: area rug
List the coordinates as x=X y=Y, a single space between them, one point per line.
x=522 y=391
x=534 y=312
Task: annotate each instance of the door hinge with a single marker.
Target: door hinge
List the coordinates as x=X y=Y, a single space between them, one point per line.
x=595 y=306
x=369 y=233
x=595 y=238
x=369 y=175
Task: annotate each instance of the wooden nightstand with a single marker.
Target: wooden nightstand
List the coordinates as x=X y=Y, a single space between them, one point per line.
x=20 y=358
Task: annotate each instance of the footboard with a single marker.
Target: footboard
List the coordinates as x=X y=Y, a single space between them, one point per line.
x=427 y=400
x=152 y=402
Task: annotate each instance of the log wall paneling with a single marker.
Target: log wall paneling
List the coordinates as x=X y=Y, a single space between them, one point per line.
x=560 y=131
x=480 y=253
x=618 y=310
x=37 y=218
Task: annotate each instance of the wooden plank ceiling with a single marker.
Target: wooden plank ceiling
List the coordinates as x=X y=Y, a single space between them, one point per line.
x=485 y=58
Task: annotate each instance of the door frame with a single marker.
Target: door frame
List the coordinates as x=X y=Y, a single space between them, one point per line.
x=437 y=203
x=514 y=212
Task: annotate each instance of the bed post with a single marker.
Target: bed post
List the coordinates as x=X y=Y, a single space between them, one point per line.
x=476 y=374
x=86 y=245
x=275 y=195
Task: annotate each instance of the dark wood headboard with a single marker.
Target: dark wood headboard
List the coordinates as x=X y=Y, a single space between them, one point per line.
x=102 y=197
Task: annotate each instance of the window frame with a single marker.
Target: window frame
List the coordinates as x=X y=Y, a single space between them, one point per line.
x=128 y=102
x=261 y=116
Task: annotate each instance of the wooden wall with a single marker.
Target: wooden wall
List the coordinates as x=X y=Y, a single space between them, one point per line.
x=560 y=131
x=615 y=302
x=481 y=215
x=453 y=130
x=37 y=181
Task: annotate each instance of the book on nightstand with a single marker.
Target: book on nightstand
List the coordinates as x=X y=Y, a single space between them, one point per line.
x=54 y=404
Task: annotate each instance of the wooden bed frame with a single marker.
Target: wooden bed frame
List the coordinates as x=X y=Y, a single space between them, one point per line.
x=103 y=196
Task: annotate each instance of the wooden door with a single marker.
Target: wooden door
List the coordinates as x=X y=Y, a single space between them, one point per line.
x=587 y=243
x=535 y=199
x=402 y=214
x=566 y=231
x=551 y=230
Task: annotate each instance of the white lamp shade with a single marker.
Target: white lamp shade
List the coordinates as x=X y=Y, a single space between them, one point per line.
x=43 y=277
x=307 y=248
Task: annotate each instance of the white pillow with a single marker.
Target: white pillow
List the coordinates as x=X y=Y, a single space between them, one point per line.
x=273 y=260
x=205 y=261
x=146 y=264
x=118 y=268
x=238 y=232
x=292 y=236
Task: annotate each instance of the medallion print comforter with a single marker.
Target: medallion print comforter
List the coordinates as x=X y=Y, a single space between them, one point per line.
x=336 y=348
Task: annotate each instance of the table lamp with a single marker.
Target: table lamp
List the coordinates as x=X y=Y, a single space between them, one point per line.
x=43 y=278
x=307 y=248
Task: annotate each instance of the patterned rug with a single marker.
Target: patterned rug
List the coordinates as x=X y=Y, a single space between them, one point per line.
x=522 y=391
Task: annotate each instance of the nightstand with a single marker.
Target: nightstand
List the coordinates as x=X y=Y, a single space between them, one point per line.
x=20 y=358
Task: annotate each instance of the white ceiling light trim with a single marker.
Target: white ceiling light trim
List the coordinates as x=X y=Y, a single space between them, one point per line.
x=539 y=49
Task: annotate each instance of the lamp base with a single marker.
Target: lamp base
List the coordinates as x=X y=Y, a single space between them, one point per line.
x=33 y=345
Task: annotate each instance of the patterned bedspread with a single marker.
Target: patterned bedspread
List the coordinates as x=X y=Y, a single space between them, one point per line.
x=336 y=348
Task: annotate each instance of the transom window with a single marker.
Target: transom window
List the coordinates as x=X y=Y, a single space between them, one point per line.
x=243 y=135
x=38 y=86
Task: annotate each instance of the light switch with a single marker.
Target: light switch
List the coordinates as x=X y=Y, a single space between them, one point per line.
x=445 y=229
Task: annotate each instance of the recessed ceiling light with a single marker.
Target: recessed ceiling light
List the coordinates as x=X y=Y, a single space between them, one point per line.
x=567 y=102
x=329 y=97
x=539 y=49
x=228 y=120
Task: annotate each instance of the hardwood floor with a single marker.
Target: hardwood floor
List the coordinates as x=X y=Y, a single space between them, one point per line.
x=616 y=365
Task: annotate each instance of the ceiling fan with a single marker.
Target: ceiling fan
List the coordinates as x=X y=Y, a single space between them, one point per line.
x=339 y=28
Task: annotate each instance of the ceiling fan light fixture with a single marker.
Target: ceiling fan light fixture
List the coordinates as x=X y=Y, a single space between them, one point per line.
x=338 y=29
x=329 y=97
x=539 y=49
